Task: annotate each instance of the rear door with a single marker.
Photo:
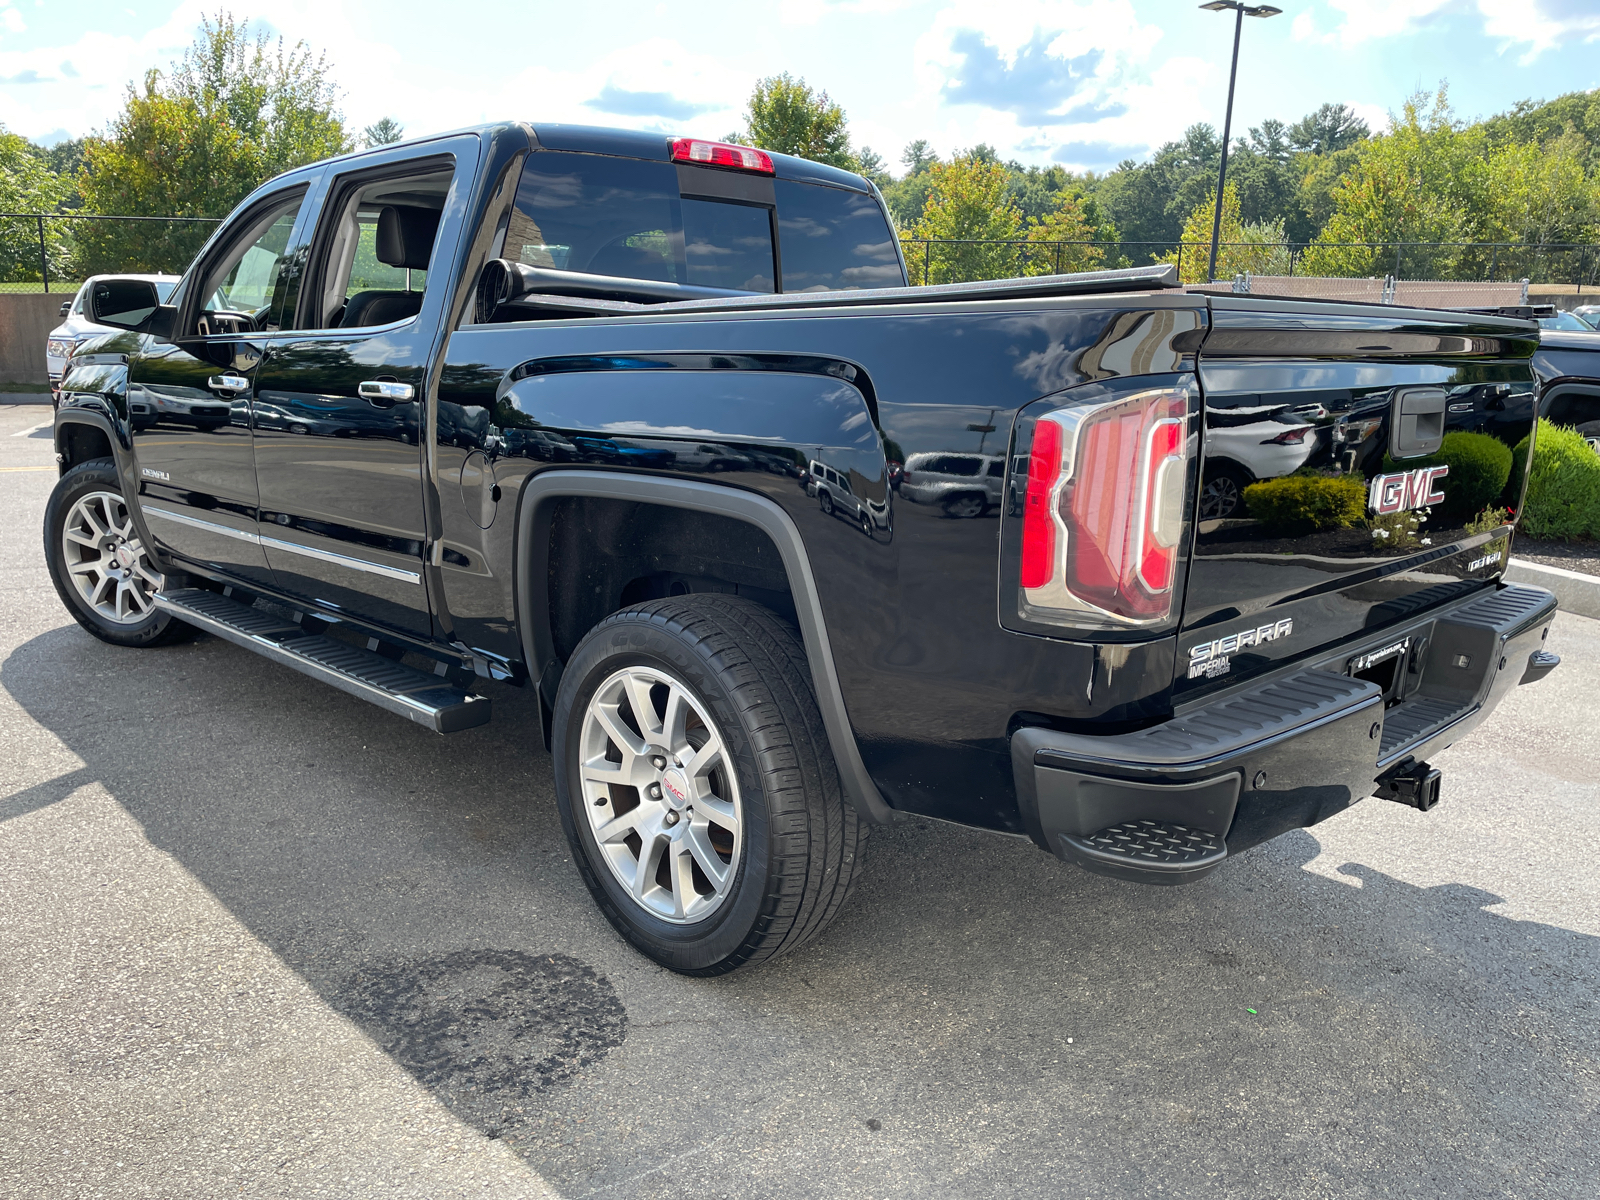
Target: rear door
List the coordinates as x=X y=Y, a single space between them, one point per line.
x=1344 y=486
x=340 y=413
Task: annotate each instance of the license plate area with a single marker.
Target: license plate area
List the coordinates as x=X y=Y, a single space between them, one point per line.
x=1384 y=666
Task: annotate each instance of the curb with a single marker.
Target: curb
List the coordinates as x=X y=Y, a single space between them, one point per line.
x=1575 y=592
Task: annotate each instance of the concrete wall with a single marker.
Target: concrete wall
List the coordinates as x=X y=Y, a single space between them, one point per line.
x=25 y=323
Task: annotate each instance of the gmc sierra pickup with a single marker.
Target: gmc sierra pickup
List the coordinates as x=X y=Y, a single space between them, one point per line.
x=655 y=427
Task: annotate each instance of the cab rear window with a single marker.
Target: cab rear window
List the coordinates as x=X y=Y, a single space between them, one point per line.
x=626 y=217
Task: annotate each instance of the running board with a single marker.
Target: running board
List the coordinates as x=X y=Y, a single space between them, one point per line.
x=426 y=699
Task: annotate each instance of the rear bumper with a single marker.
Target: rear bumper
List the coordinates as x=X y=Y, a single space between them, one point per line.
x=1169 y=803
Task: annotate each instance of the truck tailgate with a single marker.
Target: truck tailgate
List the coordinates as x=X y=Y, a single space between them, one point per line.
x=1352 y=460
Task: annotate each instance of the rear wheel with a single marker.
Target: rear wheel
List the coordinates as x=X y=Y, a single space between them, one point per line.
x=1590 y=432
x=965 y=505
x=98 y=563
x=826 y=501
x=1222 y=494
x=696 y=786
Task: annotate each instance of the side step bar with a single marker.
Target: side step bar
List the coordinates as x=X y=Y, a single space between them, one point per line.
x=426 y=699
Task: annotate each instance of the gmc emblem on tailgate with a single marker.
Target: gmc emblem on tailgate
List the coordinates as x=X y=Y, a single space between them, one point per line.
x=1408 y=489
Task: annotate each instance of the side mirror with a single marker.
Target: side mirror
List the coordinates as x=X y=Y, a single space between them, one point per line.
x=66 y=307
x=123 y=303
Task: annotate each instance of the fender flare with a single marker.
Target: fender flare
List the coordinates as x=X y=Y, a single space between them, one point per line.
x=533 y=561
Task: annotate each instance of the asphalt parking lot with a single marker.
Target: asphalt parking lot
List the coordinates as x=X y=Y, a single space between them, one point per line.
x=257 y=938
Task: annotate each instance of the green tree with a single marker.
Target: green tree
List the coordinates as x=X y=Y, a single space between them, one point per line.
x=235 y=111
x=1427 y=180
x=28 y=185
x=1057 y=239
x=1331 y=128
x=383 y=132
x=786 y=116
x=872 y=166
x=1252 y=247
x=918 y=156
x=966 y=204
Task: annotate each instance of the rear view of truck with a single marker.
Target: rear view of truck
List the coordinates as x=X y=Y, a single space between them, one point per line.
x=1337 y=605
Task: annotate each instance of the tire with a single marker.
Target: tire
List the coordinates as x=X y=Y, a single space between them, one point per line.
x=866 y=522
x=1590 y=432
x=107 y=587
x=1222 y=494
x=792 y=851
x=826 y=501
x=966 y=505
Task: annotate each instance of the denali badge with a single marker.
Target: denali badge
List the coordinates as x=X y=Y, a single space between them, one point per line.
x=1211 y=658
x=1408 y=489
x=149 y=474
x=1486 y=561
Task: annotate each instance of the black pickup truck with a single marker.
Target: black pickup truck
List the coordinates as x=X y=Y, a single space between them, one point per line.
x=655 y=427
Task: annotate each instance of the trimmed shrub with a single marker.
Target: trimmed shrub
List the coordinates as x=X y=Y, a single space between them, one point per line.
x=1479 y=467
x=1307 y=503
x=1563 y=499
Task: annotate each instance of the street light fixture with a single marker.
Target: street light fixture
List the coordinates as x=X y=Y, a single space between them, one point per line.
x=1241 y=11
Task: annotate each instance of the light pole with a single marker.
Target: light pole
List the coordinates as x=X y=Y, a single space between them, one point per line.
x=1240 y=11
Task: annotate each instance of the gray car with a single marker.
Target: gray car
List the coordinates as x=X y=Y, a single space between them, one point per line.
x=963 y=485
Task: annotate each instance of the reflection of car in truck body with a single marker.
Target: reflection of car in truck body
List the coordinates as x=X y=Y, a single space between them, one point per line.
x=835 y=496
x=732 y=689
x=963 y=485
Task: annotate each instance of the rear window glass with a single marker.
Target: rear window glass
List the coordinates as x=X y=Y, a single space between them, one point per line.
x=623 y=217
x=833 y=239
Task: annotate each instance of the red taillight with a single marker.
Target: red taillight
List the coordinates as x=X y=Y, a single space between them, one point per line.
x=1289 y=437
x=1104 y=511
x=721 y=154
x=1038 y=527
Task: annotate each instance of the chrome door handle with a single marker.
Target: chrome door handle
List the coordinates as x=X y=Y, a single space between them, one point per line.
x=228 y=383
x=387 y=389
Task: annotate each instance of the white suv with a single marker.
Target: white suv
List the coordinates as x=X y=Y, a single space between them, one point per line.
x=64 y=338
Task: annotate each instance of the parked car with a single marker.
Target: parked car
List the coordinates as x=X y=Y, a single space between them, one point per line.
x=835 y=496
x=962 y=485
x=732 y=690
x=1570 y=322
x=75 y=327
x=1589 y=313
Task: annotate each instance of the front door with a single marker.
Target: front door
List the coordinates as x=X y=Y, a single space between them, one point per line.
x=189 y=400
x=339 y=429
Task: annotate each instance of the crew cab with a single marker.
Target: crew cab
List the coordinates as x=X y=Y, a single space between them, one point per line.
x=550 y=406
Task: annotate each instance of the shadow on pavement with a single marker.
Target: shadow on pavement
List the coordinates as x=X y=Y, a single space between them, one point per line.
x=981 y=1021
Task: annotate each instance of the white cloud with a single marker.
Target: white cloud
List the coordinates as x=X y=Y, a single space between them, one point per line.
x=1364 y=20
x=12 y=20
x=1106 y=43
x=1534 y=24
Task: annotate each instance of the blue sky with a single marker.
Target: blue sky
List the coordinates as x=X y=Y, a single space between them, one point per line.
x=1080 y=82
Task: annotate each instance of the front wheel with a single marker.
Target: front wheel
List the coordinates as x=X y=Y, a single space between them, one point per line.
x=965 y=505
x=696 y=785
x=98 y=563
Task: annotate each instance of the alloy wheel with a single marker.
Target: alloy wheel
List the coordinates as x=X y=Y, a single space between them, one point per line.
x=660 y=793
x=106 y=561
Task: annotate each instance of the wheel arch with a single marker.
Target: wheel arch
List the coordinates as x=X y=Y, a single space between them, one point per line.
x=533 y=542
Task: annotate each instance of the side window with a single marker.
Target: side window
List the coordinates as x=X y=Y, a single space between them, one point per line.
x=834 y=240
x=371 y=263
x=241 y=288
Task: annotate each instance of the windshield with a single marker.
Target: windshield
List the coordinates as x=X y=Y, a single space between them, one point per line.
x=1565 y=321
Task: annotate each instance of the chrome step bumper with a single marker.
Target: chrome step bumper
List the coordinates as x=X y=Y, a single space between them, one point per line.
x=425 y=699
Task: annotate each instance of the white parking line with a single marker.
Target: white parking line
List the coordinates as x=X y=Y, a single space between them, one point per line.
x=34 y=428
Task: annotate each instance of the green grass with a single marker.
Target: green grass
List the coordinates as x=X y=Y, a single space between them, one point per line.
x=28 y=388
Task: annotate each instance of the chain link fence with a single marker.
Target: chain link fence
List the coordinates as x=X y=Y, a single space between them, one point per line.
x=1571 y=265
x=56 y=252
